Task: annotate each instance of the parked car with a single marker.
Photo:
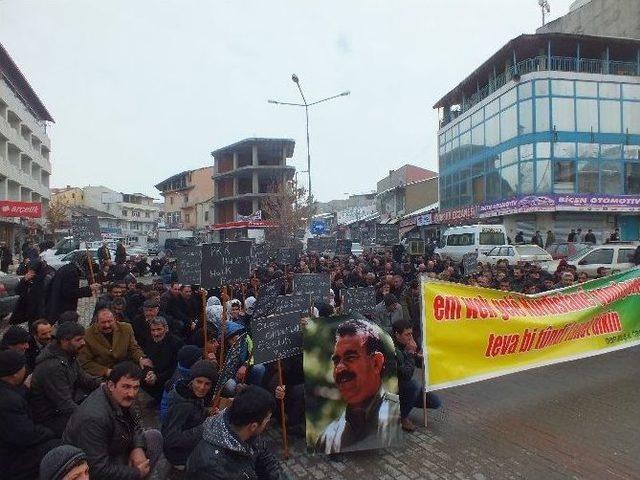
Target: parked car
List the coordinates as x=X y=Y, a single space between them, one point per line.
x=457 y=241
x=8 y=297
x=566 y=249
x=153 y=249
x=80 y=255
x=615 y=256
x=515 y=254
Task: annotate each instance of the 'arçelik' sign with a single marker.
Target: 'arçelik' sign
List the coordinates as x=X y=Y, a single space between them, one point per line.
x=10 y=208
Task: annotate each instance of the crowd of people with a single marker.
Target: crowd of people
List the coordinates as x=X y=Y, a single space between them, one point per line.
x=70 y=398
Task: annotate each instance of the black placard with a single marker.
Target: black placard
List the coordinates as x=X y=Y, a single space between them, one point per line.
x=232 y=362
x=225 y=263
x=261 y=254
x=470 y=263
x=276 y=337
x=86 y=228
x=287 y=256
x=361 y=300
x=266 y=301
x=315 y=284
x=321 y=244
x=343 y=247
x=294 y=303
x=189 y=264
x=387 y=234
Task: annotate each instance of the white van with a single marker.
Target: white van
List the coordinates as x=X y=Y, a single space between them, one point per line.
x=456 y=241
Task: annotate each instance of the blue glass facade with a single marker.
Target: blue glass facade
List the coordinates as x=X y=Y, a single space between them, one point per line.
x=568 y=132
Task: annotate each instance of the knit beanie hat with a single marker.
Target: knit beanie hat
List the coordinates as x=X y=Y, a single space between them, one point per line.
x=188 y=355
x=10 y=362
x=206 y=369
x=59 y=461
x=14 y=335
x=69 y=330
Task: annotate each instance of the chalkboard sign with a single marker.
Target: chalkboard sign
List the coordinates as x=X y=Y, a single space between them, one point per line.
x=294 y=303
x=189 y=264
x=343 y=247
x=276 y=337
x=315 y=284
x=361 y=300
x=321 y=244
x=267 y=295
x=365 y=238
x=225 y=263
x=470 y=263
x=232 y=362
x=261 y=255
x=287 y=256
x=85 y=228
x=387 y=234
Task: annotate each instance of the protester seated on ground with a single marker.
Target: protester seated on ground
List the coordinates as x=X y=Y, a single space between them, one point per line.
x=184 y=309
x=22 y=442
x=40 y=335
x=163 y=353
x=249 y=373
x=409 y=390
x=59 y=384
x=140 y=324
x=188 y=407
x=65 y=462
x=187 y=356
x=118 y=307
x=231 y=441
x=15 y=338
x=108 y=428
x=108 y=343
x=69 y=316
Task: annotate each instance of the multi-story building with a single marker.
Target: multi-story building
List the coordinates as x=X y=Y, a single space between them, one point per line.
x=182 y=194
x=404 y=190
x=246 y=173
x=545 y=135
x=25 y=148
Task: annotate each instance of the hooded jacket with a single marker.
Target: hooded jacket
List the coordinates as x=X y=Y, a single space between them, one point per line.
x=221 y=455
x=58 y=384
x=180 y=373
x=182 y=424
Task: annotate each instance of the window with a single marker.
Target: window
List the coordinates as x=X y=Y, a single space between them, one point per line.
x=632 y=152
x=526 y=152
x=588 y=150
x=460 y=239
x=124 y=213
x=187 y=217
x=186 y=200
x=206 y=216
x=509 y=157
x=526 y=177
x=491 y=108
x=509 y=123
x=632 y=179
x=563 y=114
x=171 y=200
x=598 y=257
x=587 y=89
x=477 y=135
x=525 y=124
x=524 y=90
x=147 y=214
x=631 y=117
x=588 y=176
x=491 y=237
x=609 y=90
x=609 y=116
x=477 y=118
x=510 y=179
x=543 y=176
x=587 y=115
x=542 y=88
x=626 y=255
x=631 y=92
x=493 y=185
x=564 y=176
x=542 y=114
x=508 y=98
x=611 y=151
x=611 y=179
x=492 y=131
x=564 y=150
x=562 y=87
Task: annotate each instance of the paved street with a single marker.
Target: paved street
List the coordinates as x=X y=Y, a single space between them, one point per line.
x=573 y=420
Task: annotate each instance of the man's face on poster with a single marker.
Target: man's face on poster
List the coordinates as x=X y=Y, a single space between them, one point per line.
x=357 y=373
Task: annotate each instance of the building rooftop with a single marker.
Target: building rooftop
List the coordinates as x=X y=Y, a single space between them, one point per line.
x=288 y=142
x=21 y=86
x=527 y=53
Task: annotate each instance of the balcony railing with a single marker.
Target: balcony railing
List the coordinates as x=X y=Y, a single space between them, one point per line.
x=542 y=64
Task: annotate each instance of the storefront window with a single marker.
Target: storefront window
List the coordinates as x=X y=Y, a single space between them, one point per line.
x=525 y=124
x=610 y=177
x=609 y=116
x=632 y=179
x=631 y=117
x=526 y=177
x=543 y=176
x=542 y=114
x=588 y=176
x=587 y=115
x=564 y=176
x=563 y=114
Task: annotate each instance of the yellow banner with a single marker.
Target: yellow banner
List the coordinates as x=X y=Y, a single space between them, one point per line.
x=473 y=333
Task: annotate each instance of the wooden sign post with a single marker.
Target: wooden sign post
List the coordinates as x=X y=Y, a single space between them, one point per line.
x=283 y=420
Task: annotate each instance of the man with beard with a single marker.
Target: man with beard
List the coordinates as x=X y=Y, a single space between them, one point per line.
x=372 y=417
x=162 y=350
x=59 y=384
x=40 y=336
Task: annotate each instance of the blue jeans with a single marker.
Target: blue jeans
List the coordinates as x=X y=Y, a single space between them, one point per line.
x=410 y=393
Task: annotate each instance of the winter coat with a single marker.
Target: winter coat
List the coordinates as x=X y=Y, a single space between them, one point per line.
x=406 y=363
x=121 y=254
x=385 y=319
x=17 y=430
x=58 y=384
x=180 y=373
x=65 y=291
x=182 y=425
x=221 y=455
x=97 y=356
x=31 y=304
x=164 y=356
x=106 y=433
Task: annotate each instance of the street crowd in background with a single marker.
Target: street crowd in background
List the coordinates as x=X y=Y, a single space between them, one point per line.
x=70 y=395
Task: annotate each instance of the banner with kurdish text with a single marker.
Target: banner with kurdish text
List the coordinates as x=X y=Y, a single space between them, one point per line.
x=473 y=333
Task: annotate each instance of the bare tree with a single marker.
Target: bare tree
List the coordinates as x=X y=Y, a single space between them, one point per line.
x=289 y=209
x=57 y=215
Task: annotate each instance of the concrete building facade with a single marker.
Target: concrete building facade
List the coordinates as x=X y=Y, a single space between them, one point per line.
x=25 y=147
x=183 y=193
x=605 y=18
x=405 y=190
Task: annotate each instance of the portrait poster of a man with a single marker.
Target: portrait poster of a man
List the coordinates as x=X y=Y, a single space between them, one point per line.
x=351 y=385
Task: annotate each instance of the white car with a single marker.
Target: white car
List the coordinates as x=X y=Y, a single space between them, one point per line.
x=58 y=261
x=615 y=257
x=515 y=254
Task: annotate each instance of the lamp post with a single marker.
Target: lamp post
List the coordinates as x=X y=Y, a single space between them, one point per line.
x=306 y=106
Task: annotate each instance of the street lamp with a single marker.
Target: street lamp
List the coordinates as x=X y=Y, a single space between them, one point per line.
x=306 y=106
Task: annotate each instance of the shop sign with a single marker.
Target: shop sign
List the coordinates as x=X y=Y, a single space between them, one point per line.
x=20 y=209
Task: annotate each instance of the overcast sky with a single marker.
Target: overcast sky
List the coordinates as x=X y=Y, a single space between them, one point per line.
x=141 y=90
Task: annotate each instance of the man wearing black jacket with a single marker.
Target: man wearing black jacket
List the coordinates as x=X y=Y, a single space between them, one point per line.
x=22 y=442
x=162 y=350
x=65 y=291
